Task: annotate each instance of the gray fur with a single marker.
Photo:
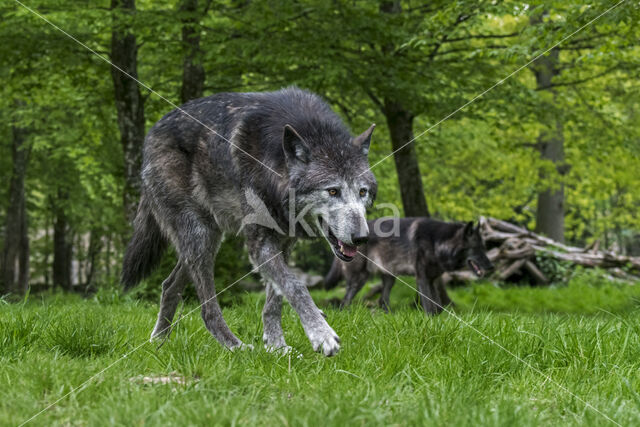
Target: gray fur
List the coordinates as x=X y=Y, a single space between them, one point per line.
x=273 y=335
x=285 y=148
x=421 y=247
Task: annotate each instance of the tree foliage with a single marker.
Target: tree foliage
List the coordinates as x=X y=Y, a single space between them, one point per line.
x=431 y=59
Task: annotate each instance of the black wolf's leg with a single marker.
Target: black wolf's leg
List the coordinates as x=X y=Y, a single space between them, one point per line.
x=266 y=253
x=172 y=288
x=442 y=292
x=354 y=284
x=428 y=295
x=387 y=283
x=273 y=335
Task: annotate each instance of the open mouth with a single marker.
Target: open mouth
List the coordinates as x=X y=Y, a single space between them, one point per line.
x=475 y=268
x=342 y=250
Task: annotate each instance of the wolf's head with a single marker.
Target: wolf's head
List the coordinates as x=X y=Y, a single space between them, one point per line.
x=467 y=249
x=329 y=171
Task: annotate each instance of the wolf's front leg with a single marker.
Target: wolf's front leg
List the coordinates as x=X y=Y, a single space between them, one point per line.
x=387 y=283
x=428 y=297
x=273 y=335
x=268 y=255
x=442 y=292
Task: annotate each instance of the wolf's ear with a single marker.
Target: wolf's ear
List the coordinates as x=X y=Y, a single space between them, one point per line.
x=295 y=149
x=363 y=140
x=468 y=229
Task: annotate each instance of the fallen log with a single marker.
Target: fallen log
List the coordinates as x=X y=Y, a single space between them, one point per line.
x=538 y=275
x=515 y=251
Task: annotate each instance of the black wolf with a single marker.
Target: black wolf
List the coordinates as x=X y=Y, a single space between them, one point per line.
x=422 y=247
x=210 y=164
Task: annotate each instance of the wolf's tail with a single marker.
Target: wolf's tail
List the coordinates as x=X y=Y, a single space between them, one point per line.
x=145 y=248
x=334 y=275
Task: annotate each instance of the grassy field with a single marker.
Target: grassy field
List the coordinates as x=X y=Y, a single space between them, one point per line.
x=577 y=343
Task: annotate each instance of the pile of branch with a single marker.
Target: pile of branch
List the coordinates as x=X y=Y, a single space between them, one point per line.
x=514 y=249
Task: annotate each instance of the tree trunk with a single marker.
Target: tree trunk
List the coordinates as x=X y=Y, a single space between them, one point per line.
x=107 y=256
x=62 y=244
x=129 y=101
x=15 y=255
x=550 y=210
x=400 y=122
x=95 y=246
x=193 y=75
x=47 y=253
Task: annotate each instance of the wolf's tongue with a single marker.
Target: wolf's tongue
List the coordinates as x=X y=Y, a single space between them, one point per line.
x=348 y=250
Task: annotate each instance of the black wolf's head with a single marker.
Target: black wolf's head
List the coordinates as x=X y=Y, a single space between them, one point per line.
x=469 y=251
x=329 y=171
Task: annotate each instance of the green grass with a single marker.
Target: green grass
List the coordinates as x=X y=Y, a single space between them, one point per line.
x=402 y=368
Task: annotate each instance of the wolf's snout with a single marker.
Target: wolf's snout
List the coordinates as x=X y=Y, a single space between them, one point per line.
x=359 y=239
x=486 y=264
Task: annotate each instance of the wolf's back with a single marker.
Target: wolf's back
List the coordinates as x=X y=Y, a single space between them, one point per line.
x=145 y=248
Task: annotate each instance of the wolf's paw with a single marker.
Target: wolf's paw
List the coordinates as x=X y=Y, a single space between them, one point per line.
x=325 y=341
x=240 y=347
x=282 y=351
x=273 y=340
x=157 y=336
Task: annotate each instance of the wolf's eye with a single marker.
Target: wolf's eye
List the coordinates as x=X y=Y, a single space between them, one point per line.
x=363 y=192
x=333 y=192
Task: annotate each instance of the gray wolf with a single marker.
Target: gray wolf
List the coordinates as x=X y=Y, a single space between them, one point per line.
x=421 y=247
x=201 y=180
